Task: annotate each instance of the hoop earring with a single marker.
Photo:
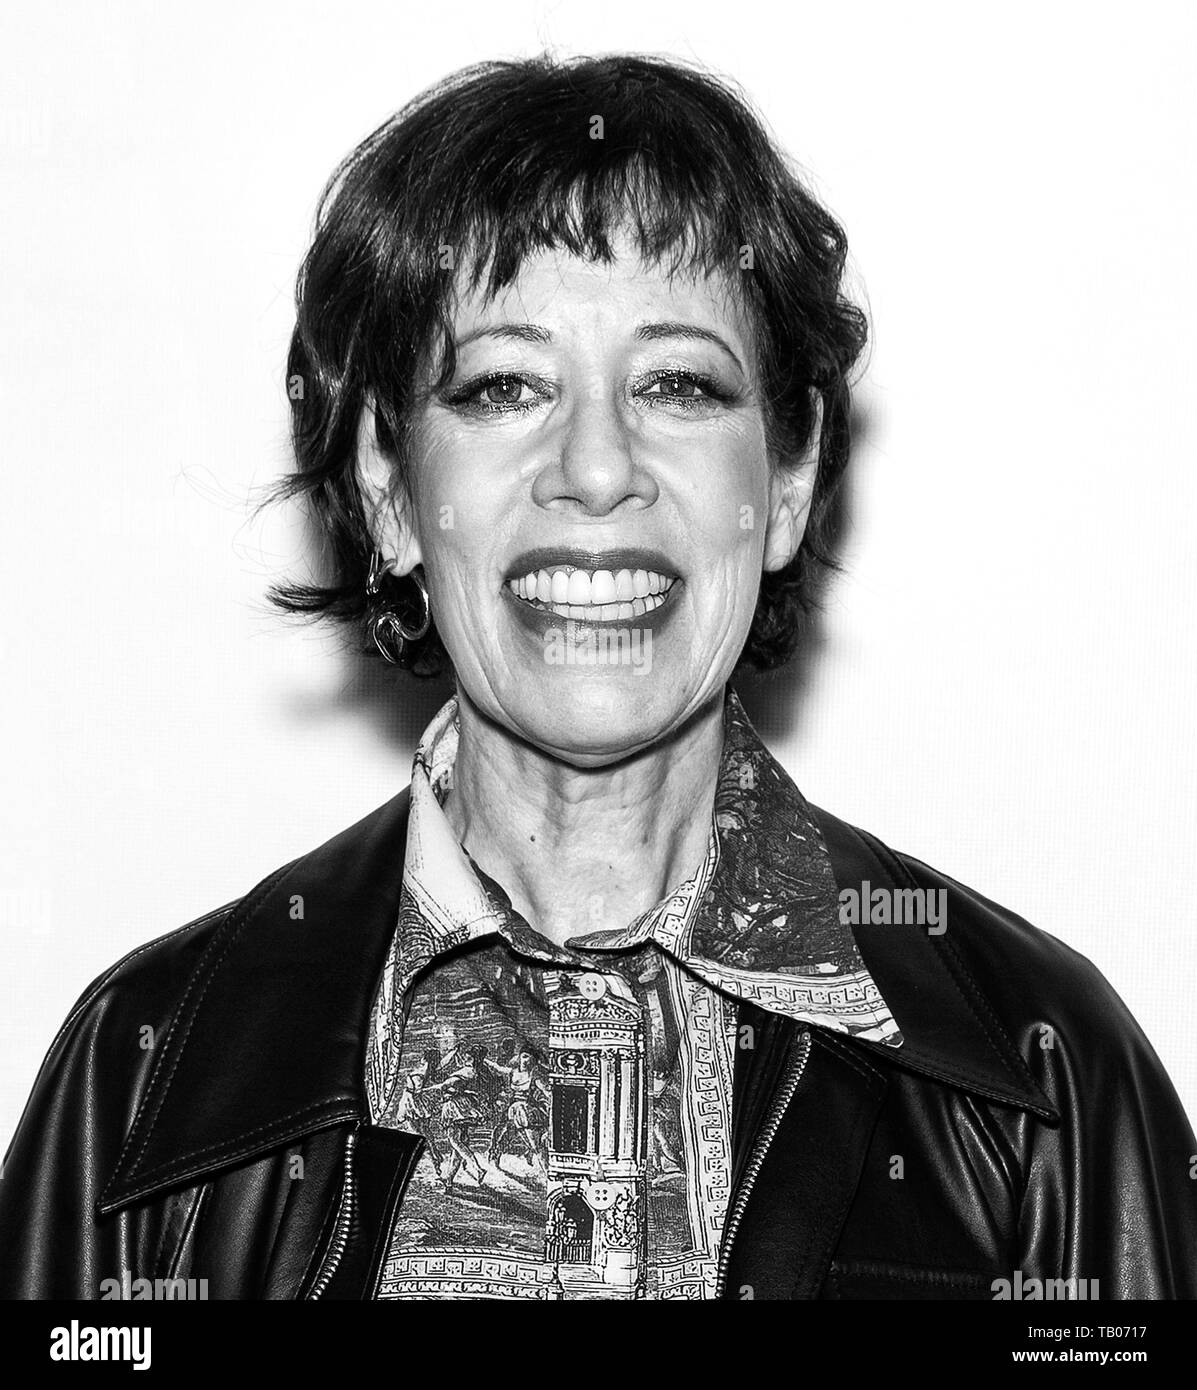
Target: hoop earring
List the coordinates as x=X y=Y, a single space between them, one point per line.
x=388 y=630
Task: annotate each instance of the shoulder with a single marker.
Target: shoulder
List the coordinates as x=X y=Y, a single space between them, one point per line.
x=99 y=1062
x=1024 y=963
x=122 y=1015
x=1015 y=980
x=346 y=883
x=946 y=908
x=332 y=878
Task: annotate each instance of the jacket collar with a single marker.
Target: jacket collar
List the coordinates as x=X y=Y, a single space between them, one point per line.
x=268 y=1042
x=952 y=1030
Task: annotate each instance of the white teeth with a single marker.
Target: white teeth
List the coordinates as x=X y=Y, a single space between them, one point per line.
x=602 y=587
x=608 y=612
x=601 y=596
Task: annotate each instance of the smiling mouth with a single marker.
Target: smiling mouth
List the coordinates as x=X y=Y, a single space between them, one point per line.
x=596 y=596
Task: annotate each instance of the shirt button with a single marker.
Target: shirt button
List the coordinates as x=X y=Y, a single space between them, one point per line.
x=599 y=1195
x=592 y=986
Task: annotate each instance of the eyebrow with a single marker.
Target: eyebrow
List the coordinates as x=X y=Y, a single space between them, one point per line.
x=646 y=332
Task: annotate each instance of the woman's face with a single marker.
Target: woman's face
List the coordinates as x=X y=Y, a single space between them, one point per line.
x=593 y=502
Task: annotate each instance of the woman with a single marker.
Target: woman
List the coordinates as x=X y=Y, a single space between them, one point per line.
x=570 y=382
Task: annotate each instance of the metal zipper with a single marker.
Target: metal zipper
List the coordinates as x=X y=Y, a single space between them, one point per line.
x=340 y=1236
x=764 y=1138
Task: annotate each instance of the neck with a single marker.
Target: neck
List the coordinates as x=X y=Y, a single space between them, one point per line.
x=580 y=850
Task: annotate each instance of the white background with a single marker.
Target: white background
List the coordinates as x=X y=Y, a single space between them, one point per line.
x=1005 y=680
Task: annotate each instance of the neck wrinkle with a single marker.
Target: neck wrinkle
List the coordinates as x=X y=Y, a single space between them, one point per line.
x=592 y=849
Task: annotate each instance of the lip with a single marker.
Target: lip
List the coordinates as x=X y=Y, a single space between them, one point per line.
x=622 y=558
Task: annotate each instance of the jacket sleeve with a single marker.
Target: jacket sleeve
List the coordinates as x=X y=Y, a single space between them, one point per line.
x=52 y=1244
x=1107 y=1193
x=1110 y=1193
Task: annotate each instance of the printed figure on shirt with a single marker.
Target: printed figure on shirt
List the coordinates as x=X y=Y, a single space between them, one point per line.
x=461 y=1089
x=523 y=1118
x=417 y=1110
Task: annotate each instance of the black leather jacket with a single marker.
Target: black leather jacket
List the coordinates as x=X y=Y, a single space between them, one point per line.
x=1025 y=1130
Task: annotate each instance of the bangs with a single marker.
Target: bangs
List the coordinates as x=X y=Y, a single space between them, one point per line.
x=461 y=193
x=692 y=232
x=693 y=229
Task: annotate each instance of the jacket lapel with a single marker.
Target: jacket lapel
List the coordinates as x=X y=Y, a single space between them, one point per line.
x=269 y=1039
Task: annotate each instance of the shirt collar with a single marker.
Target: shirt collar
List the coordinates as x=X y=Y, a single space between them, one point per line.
x=759 y=920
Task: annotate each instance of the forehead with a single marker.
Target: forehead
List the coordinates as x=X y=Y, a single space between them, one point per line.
x=555 y=288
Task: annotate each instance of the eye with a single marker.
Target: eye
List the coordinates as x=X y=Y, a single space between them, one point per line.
x=497 y=391
x=678 y=384
x=684 y=388
x=503 y=390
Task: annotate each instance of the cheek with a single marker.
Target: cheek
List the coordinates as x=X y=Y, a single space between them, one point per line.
x=438 y=491
x=451 y=563
x=732 y=516
x=455 y=511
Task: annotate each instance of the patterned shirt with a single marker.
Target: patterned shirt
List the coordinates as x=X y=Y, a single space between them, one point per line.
x=575 y=1100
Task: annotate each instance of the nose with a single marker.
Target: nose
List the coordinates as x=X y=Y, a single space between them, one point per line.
x=596 y=465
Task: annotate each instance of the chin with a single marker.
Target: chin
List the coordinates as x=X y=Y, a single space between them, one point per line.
x=590 y=722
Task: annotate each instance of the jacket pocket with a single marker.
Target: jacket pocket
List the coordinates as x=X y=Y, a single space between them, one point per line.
x=876 y=1279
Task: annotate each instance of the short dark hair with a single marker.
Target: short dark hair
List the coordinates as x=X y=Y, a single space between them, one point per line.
x=497 y=162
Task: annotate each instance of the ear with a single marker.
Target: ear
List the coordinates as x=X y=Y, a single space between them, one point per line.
x=390 y=514
x=791 y=486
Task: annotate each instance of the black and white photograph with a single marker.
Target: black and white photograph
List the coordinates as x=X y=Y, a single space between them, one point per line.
x=599 y=671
